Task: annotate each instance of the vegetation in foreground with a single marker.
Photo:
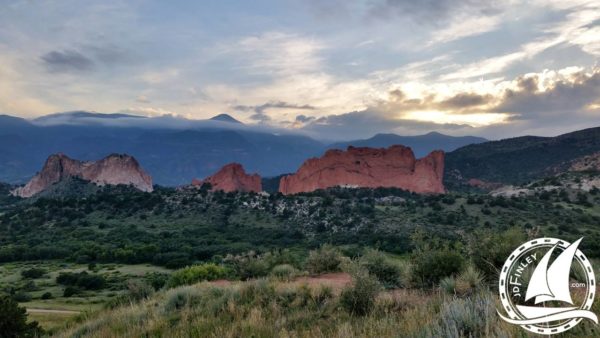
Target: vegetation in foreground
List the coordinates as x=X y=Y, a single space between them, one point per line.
x=273 y=307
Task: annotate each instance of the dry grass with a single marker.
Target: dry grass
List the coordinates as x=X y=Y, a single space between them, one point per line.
x=292 y=309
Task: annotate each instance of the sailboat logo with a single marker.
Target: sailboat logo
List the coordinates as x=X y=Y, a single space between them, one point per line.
x=537 y=293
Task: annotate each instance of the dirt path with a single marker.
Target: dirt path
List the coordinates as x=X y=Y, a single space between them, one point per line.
x=66 y=312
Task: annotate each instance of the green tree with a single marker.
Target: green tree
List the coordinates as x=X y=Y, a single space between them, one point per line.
x=13 y=321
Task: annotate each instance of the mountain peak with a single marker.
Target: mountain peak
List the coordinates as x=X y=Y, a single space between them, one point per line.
x=225 y=118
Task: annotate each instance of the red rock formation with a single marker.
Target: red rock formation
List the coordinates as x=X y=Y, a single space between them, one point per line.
x=371 y=168
x=232 y=177
x=111 y=170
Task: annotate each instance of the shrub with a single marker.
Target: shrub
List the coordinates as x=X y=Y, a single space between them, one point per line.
x=196 y=273
x=387 y=272
x=13 y=320
x=46 y=295
x=430 y=266
x=157 y=280
x=284 y=272
x=448 y=285
x=70 y=291
x=470 y=317
x=33 y=273
x=325 y=259
x=359 y=298
x=181 y=297
x=82 y=280
x=21 y=297
x=248 y=265
x=138 y=290
x=488 y=250
x=468 y=281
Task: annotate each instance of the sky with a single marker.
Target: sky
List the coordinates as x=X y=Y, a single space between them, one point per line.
x=331 y=69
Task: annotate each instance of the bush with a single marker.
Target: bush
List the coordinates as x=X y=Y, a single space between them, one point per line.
x=468 y=281
x=284 y=272
x=13 y=320
x=46 y=295
x=196 y=273
x=157 y=280
x=252 y=265
x=489 y=250
x=359 y=298
x=82 y=280
x=21 y=297
x=249 y=265
x=429 y=267
x=448 y=285
x=33 y=273
x=325 y=259
x=181 y=297
x=470 y=317
x=70 y=291
x=387 y=272
x=138 y=290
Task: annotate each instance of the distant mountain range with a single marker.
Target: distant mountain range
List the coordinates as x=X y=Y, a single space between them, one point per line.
x=420 y=144
x=176 y=150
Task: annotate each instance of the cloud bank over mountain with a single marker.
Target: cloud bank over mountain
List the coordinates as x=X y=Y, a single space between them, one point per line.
x=333 y=69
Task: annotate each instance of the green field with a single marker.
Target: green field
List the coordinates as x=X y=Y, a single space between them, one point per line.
x=56 y=311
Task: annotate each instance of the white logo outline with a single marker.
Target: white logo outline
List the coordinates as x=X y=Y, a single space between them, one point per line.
x=546 y=289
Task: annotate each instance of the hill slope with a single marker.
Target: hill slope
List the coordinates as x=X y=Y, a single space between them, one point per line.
x=517 y=160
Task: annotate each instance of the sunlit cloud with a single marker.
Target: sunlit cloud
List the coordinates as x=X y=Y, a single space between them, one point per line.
x=471 y=119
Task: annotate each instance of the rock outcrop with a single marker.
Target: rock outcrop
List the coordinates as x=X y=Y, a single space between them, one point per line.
x=395 y=166
x=112 y=170
x=232 y=177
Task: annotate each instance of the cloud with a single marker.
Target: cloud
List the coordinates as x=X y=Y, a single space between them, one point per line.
x=565 y=97
x=282 y=53
x=155 y=77
x=67 y=61
x=274 y=104
x=366 y=123
x=464 y=100
x=260 y=118
x=304 y=118
x=261 y=110
x=579 y=28
x=550 y=102
x=142 y=99
x=431 y=11
x=465 y=26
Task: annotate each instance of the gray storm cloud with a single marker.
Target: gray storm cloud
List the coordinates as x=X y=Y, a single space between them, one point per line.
x=67 y=61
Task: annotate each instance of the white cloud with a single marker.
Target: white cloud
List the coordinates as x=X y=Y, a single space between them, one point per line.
x=577 y=28
x=161 y=76
x=280 y=53
x=463 y=27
